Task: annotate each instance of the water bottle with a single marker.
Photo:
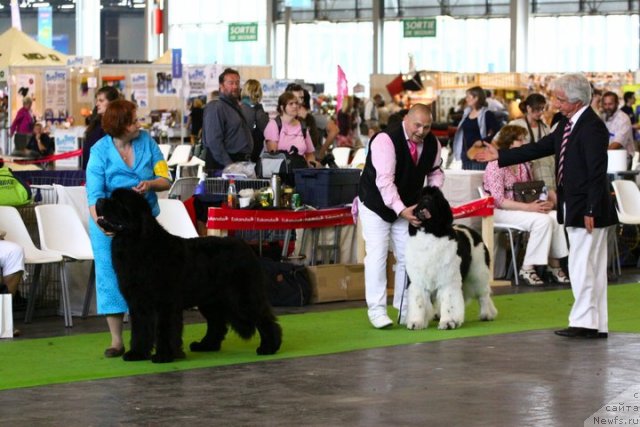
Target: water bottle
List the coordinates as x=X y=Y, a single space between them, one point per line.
x=544 y=194
x=276 y=188
x=232 y=195
x=201 y=188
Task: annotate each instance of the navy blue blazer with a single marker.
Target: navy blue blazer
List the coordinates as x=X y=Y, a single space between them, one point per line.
x=585 y=190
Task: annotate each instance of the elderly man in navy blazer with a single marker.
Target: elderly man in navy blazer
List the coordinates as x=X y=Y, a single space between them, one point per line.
x=585 y=206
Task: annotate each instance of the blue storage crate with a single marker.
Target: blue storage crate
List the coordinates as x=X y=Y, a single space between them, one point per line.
x=323 y=188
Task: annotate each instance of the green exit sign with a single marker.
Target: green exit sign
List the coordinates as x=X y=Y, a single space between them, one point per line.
x=243 y=32
x=421 y=27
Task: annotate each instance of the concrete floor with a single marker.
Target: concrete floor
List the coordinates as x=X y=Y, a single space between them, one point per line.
x=523 y=379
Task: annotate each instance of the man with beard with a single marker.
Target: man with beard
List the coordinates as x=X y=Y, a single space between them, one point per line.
x=225 y=132
x=618 y=125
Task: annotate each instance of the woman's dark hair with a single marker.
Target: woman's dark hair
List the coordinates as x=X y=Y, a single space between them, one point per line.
x=118 y=117
x=109 y=92
x=508 y=134
x=284 y=99
x=480 y=94
x=535 y=101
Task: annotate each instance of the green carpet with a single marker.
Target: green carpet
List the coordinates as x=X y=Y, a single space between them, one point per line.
x=33 y=362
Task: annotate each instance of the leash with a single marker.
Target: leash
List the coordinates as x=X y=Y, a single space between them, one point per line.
x=407 y=282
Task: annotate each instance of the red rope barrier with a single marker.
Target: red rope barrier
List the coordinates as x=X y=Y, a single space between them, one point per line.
x=51 y=158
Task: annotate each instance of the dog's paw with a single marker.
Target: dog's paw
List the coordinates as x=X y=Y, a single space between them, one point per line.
x=449 y=324
x=416 y=324
x=133 y=356
x=265 y=350
x=161 y=358
x=179 y=354
x=203 y=346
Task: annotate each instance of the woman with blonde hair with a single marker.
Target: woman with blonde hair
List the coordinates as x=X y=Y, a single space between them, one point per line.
x=547 y=242
x=254 y=115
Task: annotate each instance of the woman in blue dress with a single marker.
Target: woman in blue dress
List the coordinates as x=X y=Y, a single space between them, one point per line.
x=125 y=157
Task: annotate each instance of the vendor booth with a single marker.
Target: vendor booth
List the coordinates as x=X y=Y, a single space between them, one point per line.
x=28 y=68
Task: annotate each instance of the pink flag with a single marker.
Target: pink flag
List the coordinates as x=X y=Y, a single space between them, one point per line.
x=343 y=88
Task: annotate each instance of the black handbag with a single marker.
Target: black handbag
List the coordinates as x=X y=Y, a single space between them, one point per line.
x=528 y=191
x=288 y=285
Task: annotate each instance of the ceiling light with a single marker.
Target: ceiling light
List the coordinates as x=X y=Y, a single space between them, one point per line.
x=139 y=6
x=67 y=6
x=41 y=4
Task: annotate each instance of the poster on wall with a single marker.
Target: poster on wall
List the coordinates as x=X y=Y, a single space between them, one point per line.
x=67 y=140
x=271 y=90
x=55 y=95
x=25 y=86
x=163 y=85
x=139 y=90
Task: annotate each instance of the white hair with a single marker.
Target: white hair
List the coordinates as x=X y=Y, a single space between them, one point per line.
x=575 y=86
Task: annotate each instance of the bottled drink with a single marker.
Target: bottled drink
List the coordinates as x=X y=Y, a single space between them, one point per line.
x=276 y=188
x=232 y=195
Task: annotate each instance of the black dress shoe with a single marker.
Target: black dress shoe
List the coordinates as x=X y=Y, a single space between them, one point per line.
x=603 y=335
x=573 y=332
x=113 y=352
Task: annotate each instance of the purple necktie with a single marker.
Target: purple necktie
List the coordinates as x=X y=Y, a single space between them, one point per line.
x=563 y=148
x=413 y=150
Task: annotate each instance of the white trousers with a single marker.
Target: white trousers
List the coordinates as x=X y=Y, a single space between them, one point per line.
x=11 y=257
x=546 y=236
x=377 y=234
x=588 y=272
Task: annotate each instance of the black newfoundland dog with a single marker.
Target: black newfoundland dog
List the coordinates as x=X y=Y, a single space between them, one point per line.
x=161 y=274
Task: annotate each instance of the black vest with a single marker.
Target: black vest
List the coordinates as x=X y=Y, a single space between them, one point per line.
x=409 y=178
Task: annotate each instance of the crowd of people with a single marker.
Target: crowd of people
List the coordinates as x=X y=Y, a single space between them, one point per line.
x=568 y=154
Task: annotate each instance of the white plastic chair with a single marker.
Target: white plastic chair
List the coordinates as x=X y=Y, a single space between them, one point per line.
x=11 y=222
x=175 y=218
x=341 y=156
x=628 y=207
x=194 y=161
x=61 y=231
x=515 y=234
x=165 y=149
x=359 y=158
x=180 y=155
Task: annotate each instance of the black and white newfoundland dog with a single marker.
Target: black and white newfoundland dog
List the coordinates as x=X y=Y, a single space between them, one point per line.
x=447 y=264
x=160 y=275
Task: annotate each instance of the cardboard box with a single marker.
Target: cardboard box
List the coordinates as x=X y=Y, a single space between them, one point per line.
x=355 y=282
x=329 y=282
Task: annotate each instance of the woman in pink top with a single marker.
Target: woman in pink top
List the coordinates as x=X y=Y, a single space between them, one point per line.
x=23 y=123
x=547 y=242
x=290 y=133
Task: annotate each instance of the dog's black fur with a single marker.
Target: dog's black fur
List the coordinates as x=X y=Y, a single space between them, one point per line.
x=430 y=200
x=160 y=274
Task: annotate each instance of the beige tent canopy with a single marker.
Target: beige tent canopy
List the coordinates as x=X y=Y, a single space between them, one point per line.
x=164 y=59
x=19 y=50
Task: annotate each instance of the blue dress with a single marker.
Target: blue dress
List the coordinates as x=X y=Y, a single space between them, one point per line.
x=106 y=171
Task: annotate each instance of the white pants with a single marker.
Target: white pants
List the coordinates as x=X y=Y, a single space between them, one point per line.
x=11 y=257
x=546 y=236
x=588 y=272
x=377 y=233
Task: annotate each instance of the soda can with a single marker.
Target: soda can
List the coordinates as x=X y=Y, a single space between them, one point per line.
x=296 y=201
x=265 y=199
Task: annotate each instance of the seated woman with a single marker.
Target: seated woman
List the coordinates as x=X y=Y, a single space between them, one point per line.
x=547 y=242
x=40 y=142
x=289 y=132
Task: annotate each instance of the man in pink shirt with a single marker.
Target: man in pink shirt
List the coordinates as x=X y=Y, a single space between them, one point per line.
x=400 y=162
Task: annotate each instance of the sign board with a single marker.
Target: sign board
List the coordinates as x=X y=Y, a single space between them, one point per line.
x=176 y=63
x=420 y=27
x=243 y=32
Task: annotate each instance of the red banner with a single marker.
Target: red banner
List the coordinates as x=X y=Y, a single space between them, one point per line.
x=245 y=219
x=480 y=207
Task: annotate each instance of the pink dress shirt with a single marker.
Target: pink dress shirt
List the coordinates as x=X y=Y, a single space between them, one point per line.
x=383 y=157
